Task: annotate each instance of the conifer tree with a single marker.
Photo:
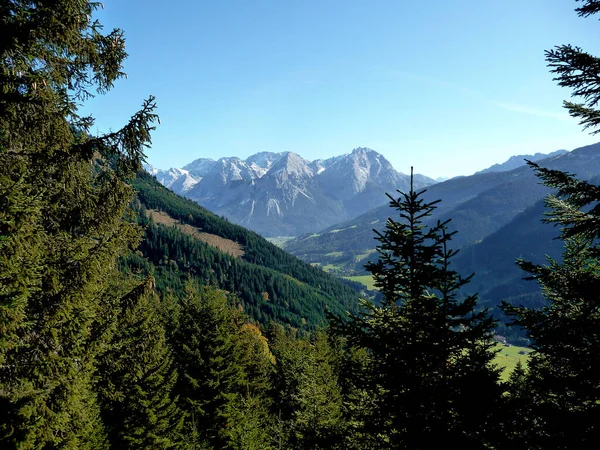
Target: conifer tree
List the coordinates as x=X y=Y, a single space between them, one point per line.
x=306 y=391
x=223 y=365
x=63 y=197
x=137 y=378
x=561 y=389
x=431 y=354
x=578 y=70
x=564 y=368
x=247 y=411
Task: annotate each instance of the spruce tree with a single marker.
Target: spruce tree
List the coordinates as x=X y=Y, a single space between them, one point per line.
x=63 y=196
x=561 y=389
x=563 y=378
x=223 y=366
x=578 y=70
x=431 y=353
x=306 y=391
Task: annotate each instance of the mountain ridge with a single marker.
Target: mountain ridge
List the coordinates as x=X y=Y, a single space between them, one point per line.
x=519 y=160
x=283 y=194
x=183 y=240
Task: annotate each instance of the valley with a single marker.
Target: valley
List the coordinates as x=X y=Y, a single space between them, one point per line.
x=497 y=216
x=184 y=240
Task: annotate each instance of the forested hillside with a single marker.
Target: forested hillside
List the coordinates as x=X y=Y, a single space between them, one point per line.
x=271 y=284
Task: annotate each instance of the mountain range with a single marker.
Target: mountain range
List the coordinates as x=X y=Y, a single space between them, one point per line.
x=283 y=194
x=518 y=160
x=478 y=205
x=497 y=211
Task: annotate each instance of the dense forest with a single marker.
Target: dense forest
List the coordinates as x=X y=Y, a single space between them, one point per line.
x=122 y=326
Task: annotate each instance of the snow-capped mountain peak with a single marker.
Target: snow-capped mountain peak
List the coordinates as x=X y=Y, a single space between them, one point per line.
x=179 y=180
x=200 y=167
x=284 y=194
x=292 y=164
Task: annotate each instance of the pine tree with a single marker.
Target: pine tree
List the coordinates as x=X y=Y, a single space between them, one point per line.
x=247 y=410
x=564 y=368
x=223 y=366
x=306 y=391
x=576 y=69
x=561 y=389
x=431 y=354
x=63 y=197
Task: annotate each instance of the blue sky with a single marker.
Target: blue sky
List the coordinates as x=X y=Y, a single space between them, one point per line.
x=450 y=87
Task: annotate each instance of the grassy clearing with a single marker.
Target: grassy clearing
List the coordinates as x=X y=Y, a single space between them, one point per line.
x=334 y=254
x=337 y=230
x=367 y=280
x=225 y=245
x=364 y=255
x=280 y=241
x=331 y=267
x=508 y=357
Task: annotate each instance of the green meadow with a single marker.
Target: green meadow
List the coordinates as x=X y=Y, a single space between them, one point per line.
x=367 y=280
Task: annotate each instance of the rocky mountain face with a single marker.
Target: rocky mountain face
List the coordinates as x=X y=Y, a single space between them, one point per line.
x=282 y=194
x=178 y=180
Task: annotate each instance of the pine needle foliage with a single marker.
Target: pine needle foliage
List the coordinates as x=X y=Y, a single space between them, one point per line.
x=137 y=378
x=223 y=366
x=561 y=389
x=580 y=71
x=564 y=367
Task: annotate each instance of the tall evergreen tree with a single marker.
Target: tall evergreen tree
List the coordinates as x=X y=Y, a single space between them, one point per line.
x=563 y=380
x=306 y=391
x=578 y=70
x=431 y=354
x=222 y=364
x=561 y=389
x=63 y=197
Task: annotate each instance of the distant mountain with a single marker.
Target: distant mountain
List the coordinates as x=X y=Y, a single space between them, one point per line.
x=498 y=219
x=282 y=194
x=263 y=161
x=519 y=160
x=479 y=206
x=362 y=178
x=178 y=180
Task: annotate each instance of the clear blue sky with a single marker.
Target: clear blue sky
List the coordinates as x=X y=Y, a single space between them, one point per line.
x=449 y=86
